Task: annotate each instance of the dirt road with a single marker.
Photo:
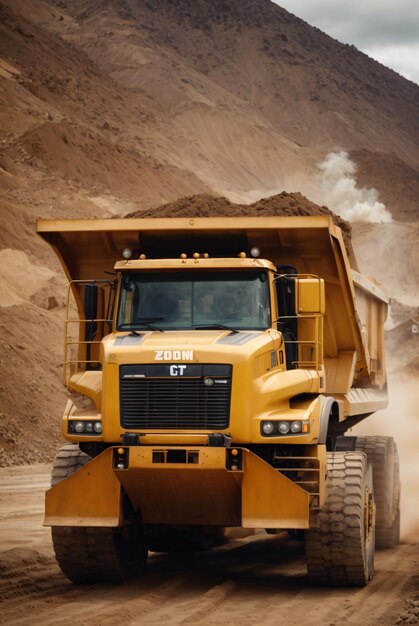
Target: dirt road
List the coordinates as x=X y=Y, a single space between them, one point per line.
x=251 y=580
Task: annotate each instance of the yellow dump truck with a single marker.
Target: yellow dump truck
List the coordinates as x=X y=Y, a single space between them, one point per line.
x=214 y=366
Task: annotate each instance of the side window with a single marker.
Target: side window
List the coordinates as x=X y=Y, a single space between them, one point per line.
x=128 y=291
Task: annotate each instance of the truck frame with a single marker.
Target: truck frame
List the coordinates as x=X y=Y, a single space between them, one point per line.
x=214 y=366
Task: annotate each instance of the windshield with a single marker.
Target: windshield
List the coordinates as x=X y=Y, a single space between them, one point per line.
x=189 y=300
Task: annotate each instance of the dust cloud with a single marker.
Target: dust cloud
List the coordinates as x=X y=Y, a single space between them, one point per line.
x=400 y=420
x=340 y=193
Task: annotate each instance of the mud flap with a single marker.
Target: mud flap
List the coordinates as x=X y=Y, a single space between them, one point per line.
x=89 y=497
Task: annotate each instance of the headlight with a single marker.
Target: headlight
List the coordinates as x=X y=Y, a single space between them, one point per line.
x=85 y=427
x=296 y=426
x=267 y=428
x=284 y=427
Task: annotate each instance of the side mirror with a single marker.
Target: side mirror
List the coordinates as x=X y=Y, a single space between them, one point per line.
x=310 y=296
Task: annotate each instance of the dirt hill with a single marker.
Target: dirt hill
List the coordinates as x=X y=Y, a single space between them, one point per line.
x=119 y=107
x=164 y=99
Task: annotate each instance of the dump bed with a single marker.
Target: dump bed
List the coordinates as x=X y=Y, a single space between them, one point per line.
x=356 y=307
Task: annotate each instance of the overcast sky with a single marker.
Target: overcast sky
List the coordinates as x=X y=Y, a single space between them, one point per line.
x=386 y=30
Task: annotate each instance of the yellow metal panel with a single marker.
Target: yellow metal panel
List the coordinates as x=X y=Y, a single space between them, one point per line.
x=269 y=499
x=204 y=493
x=88 y=383
x=340 y=372
x=310 y=296
x=90 y=497
x=191 y=263
x=184 y=224
x=87 y=248
x=359 y=401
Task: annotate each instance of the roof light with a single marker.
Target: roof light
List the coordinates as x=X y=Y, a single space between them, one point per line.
x=242 y=255
x=127 y=253
x=254 y=252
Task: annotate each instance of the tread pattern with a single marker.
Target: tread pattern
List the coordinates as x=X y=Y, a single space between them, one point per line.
x=68 y=460
x=336 y=552
x=382 y=452
x=89 y=555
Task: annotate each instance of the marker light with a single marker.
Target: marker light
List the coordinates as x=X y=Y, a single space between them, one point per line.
x=254 y=252
x=127 y=253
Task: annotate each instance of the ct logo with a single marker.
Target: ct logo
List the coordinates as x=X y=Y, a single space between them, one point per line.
x=177 y=370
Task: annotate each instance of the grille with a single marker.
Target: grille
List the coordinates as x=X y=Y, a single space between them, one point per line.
x=156 y=396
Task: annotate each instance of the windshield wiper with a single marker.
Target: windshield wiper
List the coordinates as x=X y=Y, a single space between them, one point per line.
x=140 y=324
x=214 y=327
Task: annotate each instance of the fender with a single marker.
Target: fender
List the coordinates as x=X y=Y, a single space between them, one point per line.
x=326 y=408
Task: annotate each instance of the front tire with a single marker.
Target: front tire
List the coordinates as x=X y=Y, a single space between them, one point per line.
x=95 y=554
x=340 y=551
x=68 y=460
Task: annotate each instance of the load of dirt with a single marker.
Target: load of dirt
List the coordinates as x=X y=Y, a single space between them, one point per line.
x=281 y=205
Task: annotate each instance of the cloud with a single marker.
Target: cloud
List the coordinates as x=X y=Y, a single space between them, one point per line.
x=402 y=58
x=385 y=30
x=361 y=22
x=341 y=194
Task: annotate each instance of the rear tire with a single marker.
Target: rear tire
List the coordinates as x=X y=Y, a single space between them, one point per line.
x=90 y=554
x=340 y=551
x=382 y=453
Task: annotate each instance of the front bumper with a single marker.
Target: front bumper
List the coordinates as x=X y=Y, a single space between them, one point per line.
x=170 y=485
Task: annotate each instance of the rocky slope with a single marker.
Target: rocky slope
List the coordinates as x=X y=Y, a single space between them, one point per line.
x=116 y=107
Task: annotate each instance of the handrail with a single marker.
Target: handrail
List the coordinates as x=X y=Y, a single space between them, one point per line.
x=83 y=360
x=314 y=319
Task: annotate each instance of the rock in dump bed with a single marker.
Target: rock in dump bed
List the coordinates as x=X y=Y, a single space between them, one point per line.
x=281 y=205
